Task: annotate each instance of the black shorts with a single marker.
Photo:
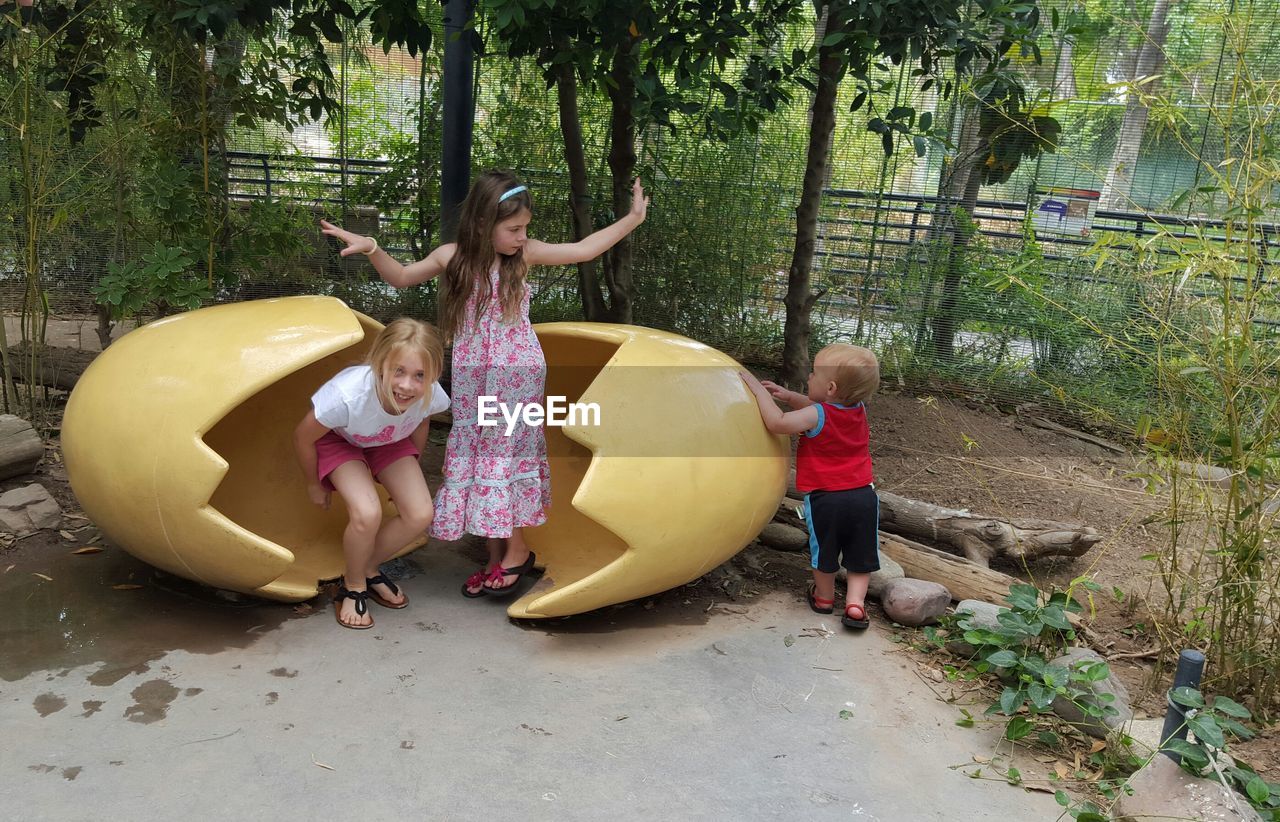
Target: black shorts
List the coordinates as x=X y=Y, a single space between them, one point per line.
x=844 y=529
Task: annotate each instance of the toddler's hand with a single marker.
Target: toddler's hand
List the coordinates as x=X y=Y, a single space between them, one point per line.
x=776 y=391
x=318 y=495
x=356 y=243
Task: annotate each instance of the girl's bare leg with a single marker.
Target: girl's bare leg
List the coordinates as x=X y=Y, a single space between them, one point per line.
x=364 y=512
x=404 y=481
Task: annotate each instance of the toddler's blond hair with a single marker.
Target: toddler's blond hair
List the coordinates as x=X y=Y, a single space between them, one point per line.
x=854 y=369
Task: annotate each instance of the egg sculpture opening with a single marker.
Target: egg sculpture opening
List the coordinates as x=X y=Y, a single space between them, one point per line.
x=178 y=445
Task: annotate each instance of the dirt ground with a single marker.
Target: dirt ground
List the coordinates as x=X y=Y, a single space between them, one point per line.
x=948 y=452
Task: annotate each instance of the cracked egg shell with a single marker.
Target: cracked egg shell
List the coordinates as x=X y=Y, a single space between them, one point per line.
x=679 y=475
x=178 y=442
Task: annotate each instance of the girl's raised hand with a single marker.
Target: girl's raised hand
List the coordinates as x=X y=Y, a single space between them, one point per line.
x=356 y=243
x=639 y=202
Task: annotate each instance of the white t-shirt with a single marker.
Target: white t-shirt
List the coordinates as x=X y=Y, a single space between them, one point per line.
x=349 y=405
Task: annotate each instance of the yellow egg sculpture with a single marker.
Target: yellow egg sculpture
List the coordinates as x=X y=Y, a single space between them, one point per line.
x=178 y=441
x=178 y=444
x=678 y=475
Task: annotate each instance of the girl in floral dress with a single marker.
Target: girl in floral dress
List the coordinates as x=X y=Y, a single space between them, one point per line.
x=495 y=484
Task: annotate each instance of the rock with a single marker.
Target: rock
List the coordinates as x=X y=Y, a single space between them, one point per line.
x=914 y=601
x=29 y=509
x=1162 y=790
x=1072 y=712
x=980 y=615
x=889 y=570
x=1145 y=734
x=784 y=537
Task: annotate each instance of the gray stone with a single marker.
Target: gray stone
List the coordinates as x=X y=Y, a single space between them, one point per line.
x=25 y=510
x=889 y=570
x=1071 y=712
x=1162 y=790
x=915 y=601
x=981 y=615
x=784 y=537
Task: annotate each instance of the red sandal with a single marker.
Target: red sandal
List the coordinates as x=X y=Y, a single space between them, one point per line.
x=819 y=606
x=855 y=616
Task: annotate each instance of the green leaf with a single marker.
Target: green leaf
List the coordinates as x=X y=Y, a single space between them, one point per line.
x=966 y=720
x=1187 y=697
x=846 y=714
x=1258 y=790
x=1003 y=659
x=1018 y=728
x=1206 y=730
x=1230 y=707
x=1049 y=738
x=1010 y=700
x=1023 y=597
x=1193 y=754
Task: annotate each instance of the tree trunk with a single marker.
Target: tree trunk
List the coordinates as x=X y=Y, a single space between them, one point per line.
x=622 y=166
x=1150 y=59
x=1064 y=84
x=59 y=367
x=593 y=307
x=799 y=301
x=946 y=320
x=20 y=447
x=981 y=538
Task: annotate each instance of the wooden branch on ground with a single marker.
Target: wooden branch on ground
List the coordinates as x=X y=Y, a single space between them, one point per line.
x=59 y=367
x=981 y=538
x=964 y=579
x=20 y=447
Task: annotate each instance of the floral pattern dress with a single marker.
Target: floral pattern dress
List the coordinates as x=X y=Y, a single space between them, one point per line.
x=494 y=482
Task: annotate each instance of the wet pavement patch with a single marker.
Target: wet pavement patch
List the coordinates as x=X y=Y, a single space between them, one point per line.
x=91 y=707
x=151 y=701
x=46 y=704
x=70 y=774
x=114 y=610
x=283 y=672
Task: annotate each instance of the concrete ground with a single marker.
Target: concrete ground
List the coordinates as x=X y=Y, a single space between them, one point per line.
x=160 y=702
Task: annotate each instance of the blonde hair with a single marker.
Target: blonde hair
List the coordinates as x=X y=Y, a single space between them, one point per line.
x=399 y=336
x=854 y=369
x=483 y=209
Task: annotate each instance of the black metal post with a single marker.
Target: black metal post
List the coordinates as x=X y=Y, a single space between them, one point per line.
x=1190 y=670
x=459 y=114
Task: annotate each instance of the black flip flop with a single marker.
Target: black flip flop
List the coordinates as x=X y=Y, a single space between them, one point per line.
x=519 y=572
x=381 y=579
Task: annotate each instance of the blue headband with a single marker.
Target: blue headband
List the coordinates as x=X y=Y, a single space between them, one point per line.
x=511 y=192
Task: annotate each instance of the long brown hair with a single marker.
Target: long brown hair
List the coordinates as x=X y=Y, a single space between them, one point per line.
x=469 y=266
x=405 y=334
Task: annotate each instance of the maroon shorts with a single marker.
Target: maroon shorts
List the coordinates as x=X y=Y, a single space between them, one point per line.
x=332 y=450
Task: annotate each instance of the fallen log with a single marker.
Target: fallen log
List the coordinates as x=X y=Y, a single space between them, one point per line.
x=20 y=447
x=59 y=367
x=981 y=538
x=964 y=579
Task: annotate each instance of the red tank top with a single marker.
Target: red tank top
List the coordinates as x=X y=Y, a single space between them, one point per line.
x=834 y=455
